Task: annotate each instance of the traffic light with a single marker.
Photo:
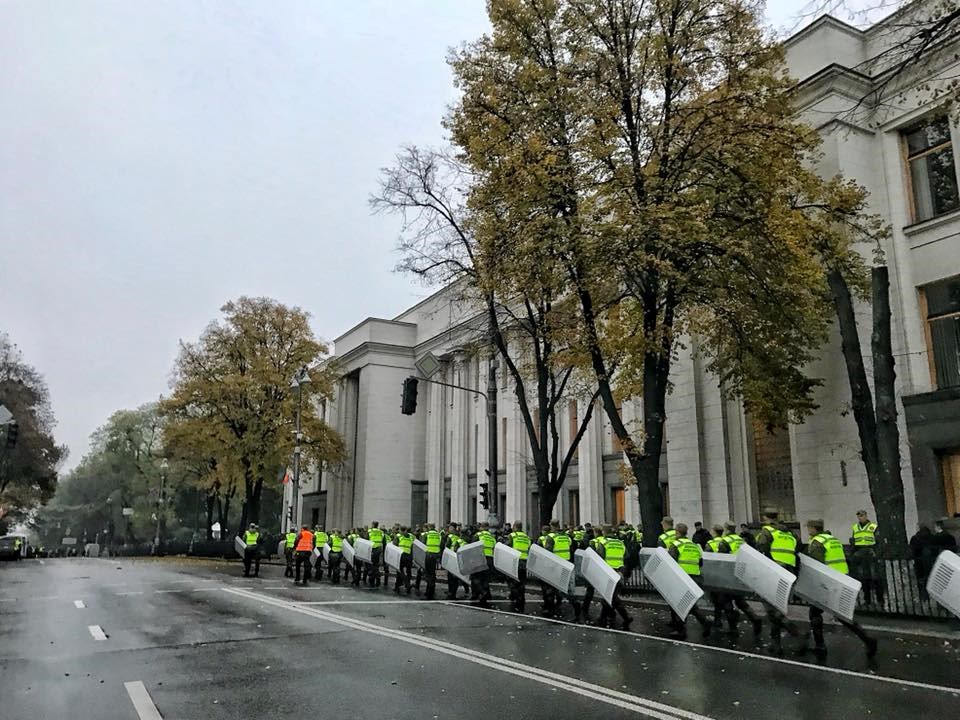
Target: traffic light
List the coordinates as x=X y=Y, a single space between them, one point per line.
x=12 y=430
x=408 y=406
x=484 y=496
x=290 y=513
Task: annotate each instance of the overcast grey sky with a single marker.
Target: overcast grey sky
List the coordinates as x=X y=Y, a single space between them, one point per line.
x=160 y=158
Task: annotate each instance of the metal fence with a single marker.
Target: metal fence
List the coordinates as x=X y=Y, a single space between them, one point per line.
x=901 y=583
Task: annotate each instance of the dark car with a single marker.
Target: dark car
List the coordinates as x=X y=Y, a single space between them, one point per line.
x=11 y=549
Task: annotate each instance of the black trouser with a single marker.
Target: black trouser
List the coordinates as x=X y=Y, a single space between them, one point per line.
x=607 y=612
x=288 y=556
x=867 y=571
x=453 y=584
x=403 y=574
x=430 y=571
x=373 y=573
x=816 y=626
x=730 y=606
x=318 y=568
x=333 y=567
x=357 y=571
x=251 y=555
x=302 y=559
x=518 y=588
x=778 y=623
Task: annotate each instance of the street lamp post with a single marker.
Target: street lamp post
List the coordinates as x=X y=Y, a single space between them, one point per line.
x=493 y=516
x=156 y=537
x=299 y=380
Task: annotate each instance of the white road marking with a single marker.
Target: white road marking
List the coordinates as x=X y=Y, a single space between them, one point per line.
x=48 y=597
x=78 y=604
x=142 y=702
x=115 y=585
x=648 y=708
x=8 y=599
x=206 y=589
x=130 y=592
x=730 y=651
x=365 y=602
x=169 y=591
x=97 y=632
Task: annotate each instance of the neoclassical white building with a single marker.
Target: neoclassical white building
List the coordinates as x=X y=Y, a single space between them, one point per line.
x=717 y=464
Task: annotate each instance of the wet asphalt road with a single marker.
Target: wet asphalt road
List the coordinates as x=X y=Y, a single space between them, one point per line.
x=207 y=643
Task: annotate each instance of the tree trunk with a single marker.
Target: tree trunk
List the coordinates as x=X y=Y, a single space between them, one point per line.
x=225 y=522
x=210 y=503
x=861 y=396
x=888 y=498
x=647 y=467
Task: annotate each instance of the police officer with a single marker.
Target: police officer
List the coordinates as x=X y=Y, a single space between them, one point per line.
x=561 y=545
x=480 y=582
x=667 y=536
x=356 y=569
x=519 y=541
x=863 y=538
x=304 y=546
x=825 y=548
x=289 y=540
x=321 y=538
x=431 y=538
x=689 y=557
x=726 y=540
x=251 y=553
x=780 y=545
x=375 y=535
x=613 y=550
x=452 y=541
x=336 y=556
x=404 y=540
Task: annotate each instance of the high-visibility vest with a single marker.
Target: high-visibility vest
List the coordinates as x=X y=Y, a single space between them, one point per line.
x=251 y=538
x=352 y=537
x=864 y=535
x=613 y=551
x=520 y=541
x=733 y=542
x=431 y=538
x=336 y=543
x=714 y=544
x=290 y=540
x=375 y=536
x=688 y=555
x=405 y=543
x=667 y=538
x=561 y=545
x=542 y=541
x=578 y=535
x=783 y=547
x=305 y=543
x=489 y=540
x=833 y=554
x=454 y=541
x=321 y=538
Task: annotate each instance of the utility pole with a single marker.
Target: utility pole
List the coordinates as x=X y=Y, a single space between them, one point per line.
x=493 y=516
x=156 y=537
x=299 y=380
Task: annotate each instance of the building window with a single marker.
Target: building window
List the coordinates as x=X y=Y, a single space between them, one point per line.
x=618 y=495
x=942 y=301
x=933 y=174
x=573 y=507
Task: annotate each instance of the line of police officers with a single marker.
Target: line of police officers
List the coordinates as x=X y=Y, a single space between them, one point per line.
x=619 y=547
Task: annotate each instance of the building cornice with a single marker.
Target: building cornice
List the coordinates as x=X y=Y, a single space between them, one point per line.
x=374 y=347
x=363 y=322
x=823 y=21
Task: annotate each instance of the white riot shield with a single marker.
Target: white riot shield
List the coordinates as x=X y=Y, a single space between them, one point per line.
x=719 y=572
x=645 y=554
x=347 y=551
x=670 y=580
x=325 y=551
x=363 y=550
x=281 y=548
x=601 y=576
x=827 y=589
x=765 y=577
x=578 y=584
x=471 y=558
x=239 y=545
x=554 y=571
x=315 y=556
x=419 y=554
x=507 y=560
x=943 y=585
x=450 y=563
x=391 y=555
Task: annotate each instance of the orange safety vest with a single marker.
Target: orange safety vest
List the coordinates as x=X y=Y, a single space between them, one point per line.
x=305 y=543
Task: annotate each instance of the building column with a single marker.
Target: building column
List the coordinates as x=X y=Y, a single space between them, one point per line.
x=518 y=451
x=459 y=495
x=590 y=468
x=434 y=460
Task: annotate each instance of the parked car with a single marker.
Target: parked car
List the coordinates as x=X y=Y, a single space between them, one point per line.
x=13 y=547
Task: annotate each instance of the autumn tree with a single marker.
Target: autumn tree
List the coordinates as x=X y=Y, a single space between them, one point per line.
x=655 y=144
x=28 y=470
x=231 y=390
x=521 y=313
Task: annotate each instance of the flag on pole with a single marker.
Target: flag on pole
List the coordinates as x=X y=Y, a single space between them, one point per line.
x=287 y=476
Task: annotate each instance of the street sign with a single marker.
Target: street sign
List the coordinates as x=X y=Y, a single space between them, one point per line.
x=428 y=365
x=128 y=511
x=68 y=541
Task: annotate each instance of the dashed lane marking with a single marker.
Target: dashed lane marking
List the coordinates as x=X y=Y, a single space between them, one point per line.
x=130 y=592
x=97 y=632
x=142 y=702
x=78 y=604
x=634 y=703
x=955 y=691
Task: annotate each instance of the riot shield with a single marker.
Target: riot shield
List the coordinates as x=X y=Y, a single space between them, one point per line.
x=670 y=580
x=348 y=552
x=943 y=585
x=419 y=554
x=363 y=550
x=451 y=564
x=239 y=545
x=392 y=554
x=471 y=558
x=765 y=577
x=827 y=589
x=719 y=572
x=281 y=548
x=507 y=560
x=601 y=576
x=326 y=552
x=551 y=569
x=315 y=556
